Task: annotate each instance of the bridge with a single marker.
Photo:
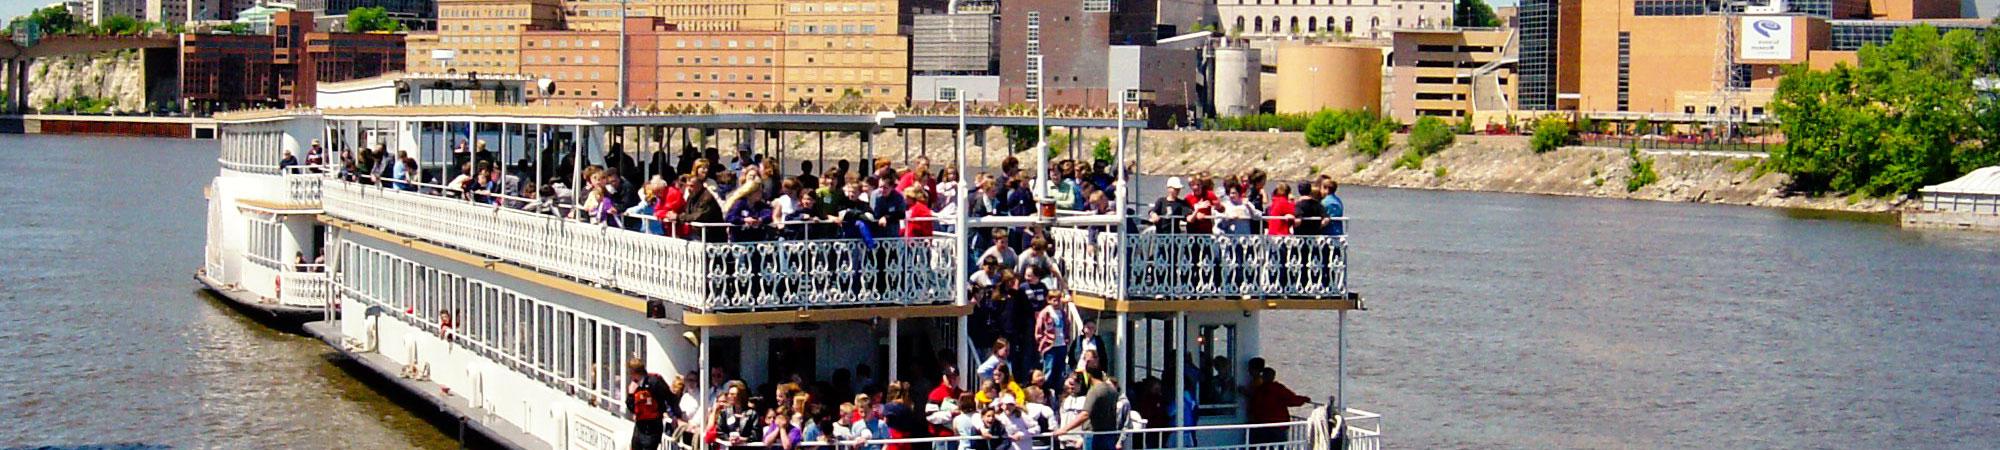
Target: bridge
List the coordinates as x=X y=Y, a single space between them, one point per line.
x=16 y=58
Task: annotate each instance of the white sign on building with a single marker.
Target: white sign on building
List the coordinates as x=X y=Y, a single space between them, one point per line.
x=1765 y=38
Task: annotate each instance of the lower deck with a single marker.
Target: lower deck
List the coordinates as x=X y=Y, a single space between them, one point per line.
x=537 y=358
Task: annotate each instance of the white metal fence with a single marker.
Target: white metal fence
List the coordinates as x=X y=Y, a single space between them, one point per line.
x=1203 y=265
x=706 y=276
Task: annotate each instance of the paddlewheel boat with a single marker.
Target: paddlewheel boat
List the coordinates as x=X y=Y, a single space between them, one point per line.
x=516 y=317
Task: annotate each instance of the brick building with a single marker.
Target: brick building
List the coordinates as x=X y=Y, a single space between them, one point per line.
x=220 y=72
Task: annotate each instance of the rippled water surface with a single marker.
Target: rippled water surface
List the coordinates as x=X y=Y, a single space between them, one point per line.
x=104 y=337
x=1497 y=321
x=1515 y=321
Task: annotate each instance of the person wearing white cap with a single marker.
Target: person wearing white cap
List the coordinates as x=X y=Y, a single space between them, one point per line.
x=1020 y=435
x=1170 y=212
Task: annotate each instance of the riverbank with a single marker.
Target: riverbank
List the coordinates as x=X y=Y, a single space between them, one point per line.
x=1473 y=163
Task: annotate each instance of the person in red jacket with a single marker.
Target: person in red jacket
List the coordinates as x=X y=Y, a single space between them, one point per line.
x=671 y=204
x=1271 y=402
x=1280 y=220
x=919 y=220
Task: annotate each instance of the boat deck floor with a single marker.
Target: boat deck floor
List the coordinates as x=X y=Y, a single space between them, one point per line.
x=489 y=425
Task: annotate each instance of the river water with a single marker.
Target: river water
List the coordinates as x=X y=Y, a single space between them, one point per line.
x=1496 y=321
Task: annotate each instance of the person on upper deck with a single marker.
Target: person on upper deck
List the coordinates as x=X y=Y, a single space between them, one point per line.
x=807 y=182
x=1239 y=216
x=1170 y=212
x=887 y=205
x=702 y=209
x=920 y=221
x=1335 y=209
x=316 y=154
x=1309 y=212
x=1282 y=214
x=750 y=215
x=1019 y=200
x=1203 y=205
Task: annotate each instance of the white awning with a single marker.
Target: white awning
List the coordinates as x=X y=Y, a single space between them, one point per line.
x=1984 y=181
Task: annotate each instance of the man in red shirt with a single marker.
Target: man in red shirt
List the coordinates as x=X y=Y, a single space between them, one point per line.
x=1271 y=402
x=947 y=390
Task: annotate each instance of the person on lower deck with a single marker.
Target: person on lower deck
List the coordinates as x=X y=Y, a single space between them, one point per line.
x=1100 y=415
x=1271 y=402
x=649 y=401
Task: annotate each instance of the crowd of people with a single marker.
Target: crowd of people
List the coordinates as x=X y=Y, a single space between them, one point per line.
x=1040 y=382
x=1081 y=410
x=749 y=198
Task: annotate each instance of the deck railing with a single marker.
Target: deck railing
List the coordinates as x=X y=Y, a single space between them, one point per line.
x=1176 y=266
x=1363 y=433
x=1364 y=429
x=306 y=286
x=705 y=276
x=302 y=185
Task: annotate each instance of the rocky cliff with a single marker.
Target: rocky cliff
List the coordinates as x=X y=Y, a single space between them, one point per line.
x=117 y=77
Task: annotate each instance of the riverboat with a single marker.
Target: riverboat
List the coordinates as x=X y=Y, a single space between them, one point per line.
x=516 y=318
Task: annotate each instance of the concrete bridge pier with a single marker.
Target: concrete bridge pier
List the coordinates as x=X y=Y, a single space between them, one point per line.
x=17 y=84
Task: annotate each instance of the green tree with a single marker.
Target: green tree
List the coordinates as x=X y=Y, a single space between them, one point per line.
x=1373 y=139
x=1326 y=128
x=122 y=26
x=1551 y=132
x=1642 y=171
x=51 y=20
x=1473 y=13
x=1102 y=151
x=1908 y=115
x=372 y=18
x=1430 y=135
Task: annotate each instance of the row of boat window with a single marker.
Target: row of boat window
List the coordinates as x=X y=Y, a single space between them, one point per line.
x=251 y=150
x=560 y=347
x=267 y=241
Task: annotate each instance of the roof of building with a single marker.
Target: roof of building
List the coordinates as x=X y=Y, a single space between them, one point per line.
x=1983 y=181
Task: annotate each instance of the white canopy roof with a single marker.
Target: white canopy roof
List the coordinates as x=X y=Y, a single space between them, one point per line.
x=1984 y=181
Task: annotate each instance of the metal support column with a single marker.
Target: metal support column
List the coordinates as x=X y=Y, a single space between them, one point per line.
x=895 y=349
x=960 y=282
x=706 y=395
x=1340 y=366
x=1180 y=378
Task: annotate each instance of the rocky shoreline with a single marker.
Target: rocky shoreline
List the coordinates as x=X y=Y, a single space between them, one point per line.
x=1473 y=163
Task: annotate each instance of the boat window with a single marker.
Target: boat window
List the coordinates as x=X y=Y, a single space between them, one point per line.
x=1216 y=347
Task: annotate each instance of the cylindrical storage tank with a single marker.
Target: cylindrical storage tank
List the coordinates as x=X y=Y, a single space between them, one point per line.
x=1237 y=76
x=1315 y=77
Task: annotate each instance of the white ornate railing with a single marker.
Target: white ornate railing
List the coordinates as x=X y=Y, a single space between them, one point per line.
x=303 y=187
x=1203 y=265
x=706 y=276
x=307 y=288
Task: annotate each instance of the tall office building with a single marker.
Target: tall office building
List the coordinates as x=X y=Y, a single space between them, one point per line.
x=1669 y=56
x=481 y=35
x=1548 y=37
x=105 y=9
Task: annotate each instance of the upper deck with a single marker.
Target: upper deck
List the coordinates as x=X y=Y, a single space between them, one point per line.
x=1107 y=266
